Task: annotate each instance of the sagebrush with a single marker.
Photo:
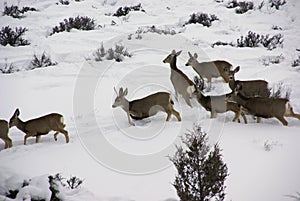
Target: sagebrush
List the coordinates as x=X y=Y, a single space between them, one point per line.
x=202 y=18
x=79 y=22
x=253 y=39
x=240 y=7
x=123 y=11
x=14 y=38
x=15 y=12
x=41 y=61
x=118 y=53
x=7 y=68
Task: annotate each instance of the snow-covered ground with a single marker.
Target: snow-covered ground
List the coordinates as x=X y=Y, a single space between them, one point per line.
x=121 y=162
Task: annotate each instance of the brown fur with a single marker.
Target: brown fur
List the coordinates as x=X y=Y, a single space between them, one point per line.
x=147 y=106
x=40 y=126
x=4 y=134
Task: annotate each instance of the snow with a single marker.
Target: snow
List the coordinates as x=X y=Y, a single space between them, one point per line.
x=119 y=162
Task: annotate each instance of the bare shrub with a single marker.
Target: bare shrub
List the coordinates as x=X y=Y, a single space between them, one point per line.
x=79 y=22
x=202 y=18
x=296 y=62
x=280 y=90
x=43 y=61
x=123 y=11
x=118 y=53
x=15 y=12
x=241 y=7
x=13 y=38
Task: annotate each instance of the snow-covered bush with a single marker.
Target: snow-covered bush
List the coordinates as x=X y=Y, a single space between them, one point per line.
x=250 y=40
x=267 y=60
x=276 y=3
x=275 y=27
x=123 y=11
x=15 y=12
x=201 y=171
x=63 y=2
x=117 y=53
x=14 y=38
x=296 y=62
x=241 y=7
x=254 y=40
x=79 y=22
x=8 y=68
x=280 y=90
x=220 y=43
x=41 y=61
x=272 y=42
x=202 y=18
x=58 y=184
x=151 y=29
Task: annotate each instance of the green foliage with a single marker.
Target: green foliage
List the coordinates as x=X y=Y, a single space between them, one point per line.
x=201 y=172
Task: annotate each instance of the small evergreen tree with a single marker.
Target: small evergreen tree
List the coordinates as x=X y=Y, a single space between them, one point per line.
x=201 y=172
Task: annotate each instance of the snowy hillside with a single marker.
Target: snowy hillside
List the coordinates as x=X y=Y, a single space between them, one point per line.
x=119 y=162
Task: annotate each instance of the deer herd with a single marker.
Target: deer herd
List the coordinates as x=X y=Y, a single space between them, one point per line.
x=247 y=97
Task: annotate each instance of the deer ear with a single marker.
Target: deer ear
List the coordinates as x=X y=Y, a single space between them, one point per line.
x=237 y=69
x=120 y=91
x=17 y=112
x=125 y=92
x=178 y=53
x=173 y=52
x=190 y=55
x=115 y=90
x=196 y=55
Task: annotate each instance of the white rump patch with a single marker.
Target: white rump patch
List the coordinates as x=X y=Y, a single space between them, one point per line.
x=191 y=90
x=62 y=120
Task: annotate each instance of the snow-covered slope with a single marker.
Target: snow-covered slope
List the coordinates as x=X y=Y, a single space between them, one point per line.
x=122 y=162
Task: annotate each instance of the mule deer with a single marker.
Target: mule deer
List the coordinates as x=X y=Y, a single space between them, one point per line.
x=217 y=104
x=145 y=107
x=4 y=133
x=181 y=83
x=264 y=107
x=250 y=88
x=211 y=69
x=40 y=126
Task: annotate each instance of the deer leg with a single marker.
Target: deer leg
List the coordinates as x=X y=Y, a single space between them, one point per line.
x=129 y=120
x=176 y=114
x=236 y=116
x=6 y=144
x=213 y=114
x=27 y=136
x=244 y=117
x=9 y=142
x=258 y=119
x=63 y=131
x=37 y=138
x=55 y=135
x=169 y=115
x=283 y=121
